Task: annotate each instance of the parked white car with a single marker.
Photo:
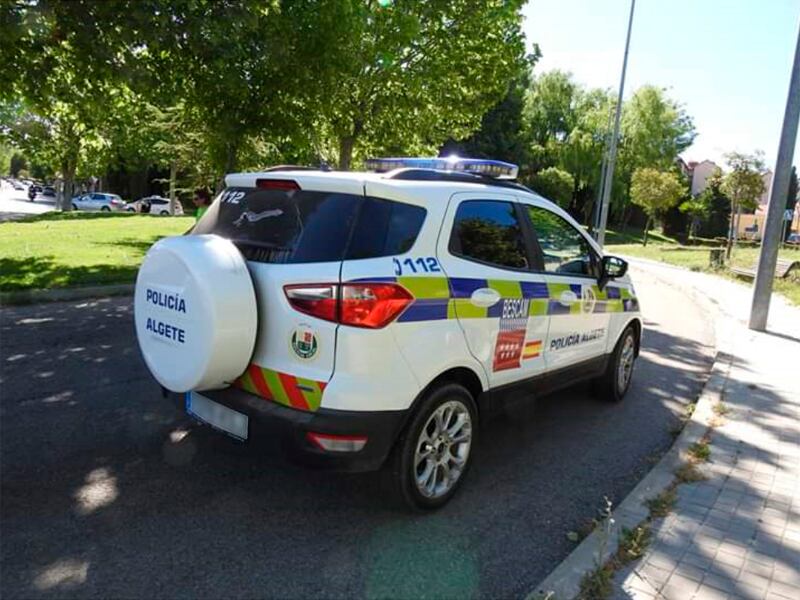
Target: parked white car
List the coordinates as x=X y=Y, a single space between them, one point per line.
x=372 y=318
x=154 y=205
x=98 y=201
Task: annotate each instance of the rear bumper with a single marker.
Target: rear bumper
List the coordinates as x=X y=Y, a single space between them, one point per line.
x=290 y=425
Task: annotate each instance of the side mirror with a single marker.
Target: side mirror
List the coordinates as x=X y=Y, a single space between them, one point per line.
x=612 y=268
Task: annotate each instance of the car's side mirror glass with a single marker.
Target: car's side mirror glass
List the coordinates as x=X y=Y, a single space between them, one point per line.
x=612 y=268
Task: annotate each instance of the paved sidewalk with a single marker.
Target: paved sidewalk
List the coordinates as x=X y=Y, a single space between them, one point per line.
x=737 y=534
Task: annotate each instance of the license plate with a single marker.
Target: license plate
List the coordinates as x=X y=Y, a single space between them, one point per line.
x=218 y=416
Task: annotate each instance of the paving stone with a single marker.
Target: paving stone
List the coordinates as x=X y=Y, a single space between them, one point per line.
x=789 y=591
x=689 y=571
x=699 y=560
x=707 y=592
x=679 y=588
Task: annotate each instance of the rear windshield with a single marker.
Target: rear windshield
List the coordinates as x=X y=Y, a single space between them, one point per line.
x=279 y=226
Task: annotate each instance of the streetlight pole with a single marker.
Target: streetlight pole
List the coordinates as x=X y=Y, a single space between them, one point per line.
x=762 y=290
x=612 y=152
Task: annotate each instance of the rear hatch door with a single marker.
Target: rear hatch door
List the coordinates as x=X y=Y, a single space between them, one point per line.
x=293 y=231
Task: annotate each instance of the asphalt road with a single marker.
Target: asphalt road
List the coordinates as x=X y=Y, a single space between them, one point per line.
x=109 y=491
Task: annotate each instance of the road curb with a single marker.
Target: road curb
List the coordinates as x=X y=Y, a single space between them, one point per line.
x=65 y=294
x=564 y=582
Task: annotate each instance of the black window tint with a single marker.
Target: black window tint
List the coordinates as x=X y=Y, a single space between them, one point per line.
x=282 y=227
x=490 y=232
x=385 y=228
x=564 y=249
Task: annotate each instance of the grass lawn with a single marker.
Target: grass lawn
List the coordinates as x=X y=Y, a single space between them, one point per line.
x=696 y=258
x=77 y=248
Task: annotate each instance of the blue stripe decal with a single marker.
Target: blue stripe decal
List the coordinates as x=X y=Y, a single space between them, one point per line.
x=495 y=310
x=375 y=279
x=576 y=288
x=425 y=310
x=534 y=289
x=462 y=287
x=556 y=308
x=613 y=293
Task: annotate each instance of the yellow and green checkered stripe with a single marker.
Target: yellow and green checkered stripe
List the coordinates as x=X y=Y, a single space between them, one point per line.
x=437 y=298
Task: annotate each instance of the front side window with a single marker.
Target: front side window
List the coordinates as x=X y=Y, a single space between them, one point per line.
x=490 y=232
x=564 y=249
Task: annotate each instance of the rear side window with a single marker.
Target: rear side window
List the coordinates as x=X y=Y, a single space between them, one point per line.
x=489 y=231
x=385 y=228
x=280 y=226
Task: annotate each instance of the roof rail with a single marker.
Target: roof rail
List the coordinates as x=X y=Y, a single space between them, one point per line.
x=461 y=177
x=279 y=168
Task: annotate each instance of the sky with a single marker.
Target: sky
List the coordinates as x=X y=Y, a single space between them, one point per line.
x=727 y=61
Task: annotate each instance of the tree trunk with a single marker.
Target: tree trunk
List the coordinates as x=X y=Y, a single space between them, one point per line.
x=729 y=245
x=646 y=229
x=172 y=198
x=345 y=152
x=64 y=201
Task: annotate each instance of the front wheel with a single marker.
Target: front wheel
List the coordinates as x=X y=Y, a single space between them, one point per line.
x=105 y=209
x=432 y=455
x=74 y=207
x=614 y=383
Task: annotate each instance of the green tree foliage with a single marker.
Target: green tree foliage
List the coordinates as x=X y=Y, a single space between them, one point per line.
x=569 y=125
x=555 y=184
x=656 y=192
x=501 y=135
x=698 y=208
x=743 y=184
x=412 y=73
x=655 y=129
x=719 y=208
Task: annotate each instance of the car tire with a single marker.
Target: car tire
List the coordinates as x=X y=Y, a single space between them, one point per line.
x=615 y=382
x=429 y=445
x=164 y=213
x=74 y=207
x=105 y=209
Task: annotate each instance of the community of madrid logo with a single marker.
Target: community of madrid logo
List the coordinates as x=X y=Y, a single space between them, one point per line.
x=304 y=342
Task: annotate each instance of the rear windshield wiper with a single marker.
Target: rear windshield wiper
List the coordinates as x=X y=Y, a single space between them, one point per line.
x=265 y=245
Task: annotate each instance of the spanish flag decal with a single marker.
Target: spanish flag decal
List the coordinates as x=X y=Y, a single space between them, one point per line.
x=532 y=349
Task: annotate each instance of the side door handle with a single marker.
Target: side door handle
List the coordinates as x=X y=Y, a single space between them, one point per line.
x=485 y=297
x=568 y=298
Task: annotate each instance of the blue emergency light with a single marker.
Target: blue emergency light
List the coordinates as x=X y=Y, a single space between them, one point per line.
x=479 y=166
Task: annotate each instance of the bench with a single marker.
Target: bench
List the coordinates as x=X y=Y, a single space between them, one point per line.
x=783 y=268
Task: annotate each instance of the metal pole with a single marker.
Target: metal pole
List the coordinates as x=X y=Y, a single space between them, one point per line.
x=612 y=153
x=599 y=198
x=768 y=256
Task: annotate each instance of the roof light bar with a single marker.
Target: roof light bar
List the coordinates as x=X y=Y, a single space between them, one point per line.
x=479 y=166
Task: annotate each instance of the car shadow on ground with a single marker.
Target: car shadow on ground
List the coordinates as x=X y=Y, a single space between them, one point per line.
x=110 y=490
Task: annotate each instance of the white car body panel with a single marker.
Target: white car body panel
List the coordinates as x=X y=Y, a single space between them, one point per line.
x=386 y=369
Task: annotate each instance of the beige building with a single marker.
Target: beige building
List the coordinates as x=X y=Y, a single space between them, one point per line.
x=698 y=173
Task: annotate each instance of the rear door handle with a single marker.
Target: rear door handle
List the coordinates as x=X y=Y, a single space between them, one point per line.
x=485 y=297
x=568 y=298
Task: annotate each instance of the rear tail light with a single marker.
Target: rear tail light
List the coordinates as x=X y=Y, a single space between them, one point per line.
x=370 y=305
x=337 y=443
x=315 y=300
x=286 y=185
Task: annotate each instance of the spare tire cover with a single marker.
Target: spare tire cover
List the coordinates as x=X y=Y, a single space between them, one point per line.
x=195 y=312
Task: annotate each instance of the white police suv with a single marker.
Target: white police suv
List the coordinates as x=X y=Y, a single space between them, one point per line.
x=371 y=318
